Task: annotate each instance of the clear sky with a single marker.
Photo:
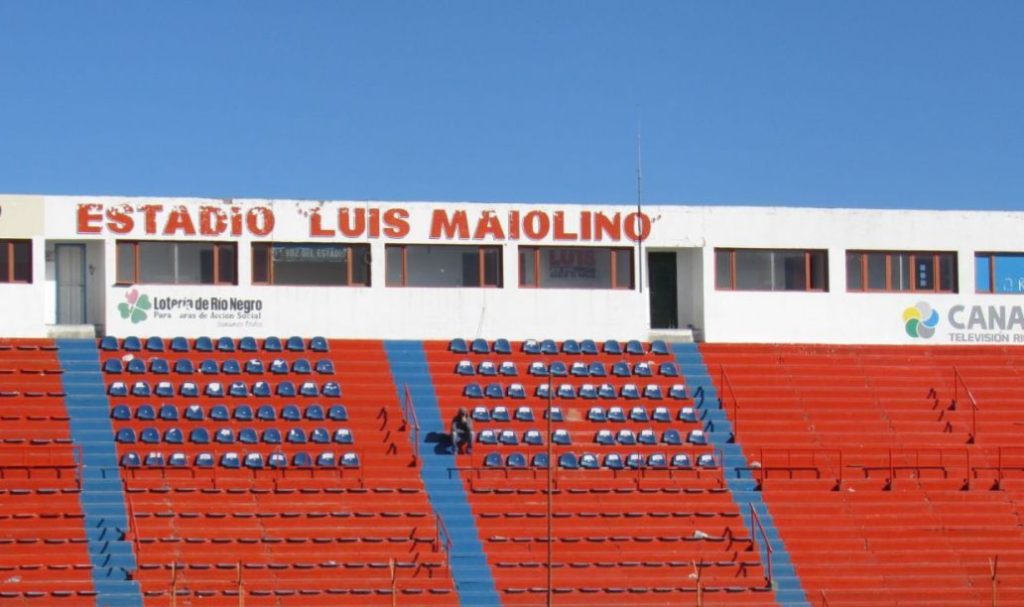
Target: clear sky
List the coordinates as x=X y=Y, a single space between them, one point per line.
x=874 y=104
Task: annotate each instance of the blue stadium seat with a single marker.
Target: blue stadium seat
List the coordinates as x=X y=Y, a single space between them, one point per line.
x=487 y=369
x=707 y=460
x=203 y=344
x=479 y=346
x=272 y=436
x=571 y=346
x=308 y=388
x=635 y=347
x=155 y=344
x=480 y=414
x=531 y=346
x=524 y=413
x=254 y=461
x=597 y=369
x=108 y=343
x=508 y=369
x=179 y=344
x=155 y=459
x=579 y=369
x=224 y=436
x=625 y=437
x=500 y=414
x=597 y=414
x=344 y=436
x=589 y=461
x=296 y=436
x=149 y=435
x=326 y=460
x=295 y=344
x=248 y=436
x=286 y=388
x=671 y=437
x=604 y=437
x=540 y=460
x=314 y=412
x=561 y=436
x=487 y=437
x=647 y=437
x=112 y=365
x=209 y=367
x=331 y=389
x=324 y=367
x=277 y=460
x=243 y=413
x=159 y=366
x=248 y=344
x=225 y=344
x=612 y=347
x=643 y=369
x=566 y=391
x=219 y=413
x=131 y=344
x=168 y=412
x=661 y=414
x=266 y=413
x=337 y=413
x=301 y=366
x=639 y=414
x=621 y=369
x=613 y=461
x=516 y=460
x=349 y=459
x=164 y=389
x=145 y=412
x=318 y=344
x=653 y=392
x=588 y=346
x=555 y=414
x=533 y=437
x=183 y=366
x=668 y=370
x=657 y=460
x=136 y=365
x=121 y=412
x=548 y=346
x=230 y=460
x=543 y=391
x=174 y=436
x=681 y=460
x=558 y=369
x=568 y=460
x=319 y=436
x=194 y=413
x=493 y=390
x=493 y=460
x=606 y=391
x=677 y=391
x=238 y=389
x=508 y=437
x=279 y=366
x=588 y=391
x=697 y=437
x=125 y=435
x=688 y=414
x=199 y=436
x=141 y=388
x=118 y=388
x=302 y=460
x=131 y=460
x=254 y=366
x=616 y=414
x=458 y=346
x=502 y=346
x=630 y=391
x=659 y=347
x=538 y=368
x=261 y=389
x=635 y=461
x=231 y=367
x=272 y=344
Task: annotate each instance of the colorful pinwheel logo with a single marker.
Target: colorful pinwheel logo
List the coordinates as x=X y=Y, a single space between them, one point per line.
x=134 y=306
x=920 y=320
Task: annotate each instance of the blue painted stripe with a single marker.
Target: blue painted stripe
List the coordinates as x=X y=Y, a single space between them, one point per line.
x=470 y=569
x=102 y=496
x=788 y=588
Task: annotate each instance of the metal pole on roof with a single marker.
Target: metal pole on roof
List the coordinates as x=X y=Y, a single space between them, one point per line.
x=551 y=467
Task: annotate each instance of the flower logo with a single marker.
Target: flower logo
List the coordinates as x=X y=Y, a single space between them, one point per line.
x=920 y=320
x=135 y=306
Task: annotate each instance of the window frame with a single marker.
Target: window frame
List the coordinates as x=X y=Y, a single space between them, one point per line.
x=217 y=246
x=808 y=276
x=614 y=252
x=481 y=269
x=270 y=282
x=9 y=273
x=991 y=257
x=912 y=257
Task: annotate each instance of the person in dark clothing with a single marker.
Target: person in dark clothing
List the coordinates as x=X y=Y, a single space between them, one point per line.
x=462 y=432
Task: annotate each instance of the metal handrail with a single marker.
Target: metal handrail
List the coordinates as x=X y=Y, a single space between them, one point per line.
x=727 y=389
x=444 y=540
x=756 y=524
x=958 y=381
x=410 y=421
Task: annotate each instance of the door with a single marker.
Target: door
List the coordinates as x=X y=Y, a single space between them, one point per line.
x=70 y=284
x=661 y=274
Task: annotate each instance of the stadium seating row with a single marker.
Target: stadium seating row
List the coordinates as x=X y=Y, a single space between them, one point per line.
x=216 y=389
x=184 y=366
x=206 y=344
x=548 y=346
x=232 y=459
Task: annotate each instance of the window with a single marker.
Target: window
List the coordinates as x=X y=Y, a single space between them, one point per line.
x=442 y=266
x=310 y=264
x=576 y=267
x=177 y=263
x=999 y=272
x=771 y=270
x=901 y=271
x=15 y=261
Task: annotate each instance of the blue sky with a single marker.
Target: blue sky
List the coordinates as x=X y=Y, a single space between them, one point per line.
x=873 y=104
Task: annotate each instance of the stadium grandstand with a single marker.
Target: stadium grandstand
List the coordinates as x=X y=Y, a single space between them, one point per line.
x=231 y=403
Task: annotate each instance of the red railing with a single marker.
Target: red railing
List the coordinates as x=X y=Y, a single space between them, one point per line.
x=756 y=526
x=958 y=383
x=410 y=422
x=727 y=391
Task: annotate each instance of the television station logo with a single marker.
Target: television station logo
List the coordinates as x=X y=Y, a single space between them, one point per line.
x=920 y=320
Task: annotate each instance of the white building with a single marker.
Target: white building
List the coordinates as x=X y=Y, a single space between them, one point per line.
x=168 y=266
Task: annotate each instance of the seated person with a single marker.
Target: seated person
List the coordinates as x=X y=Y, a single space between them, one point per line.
x=462 y=432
